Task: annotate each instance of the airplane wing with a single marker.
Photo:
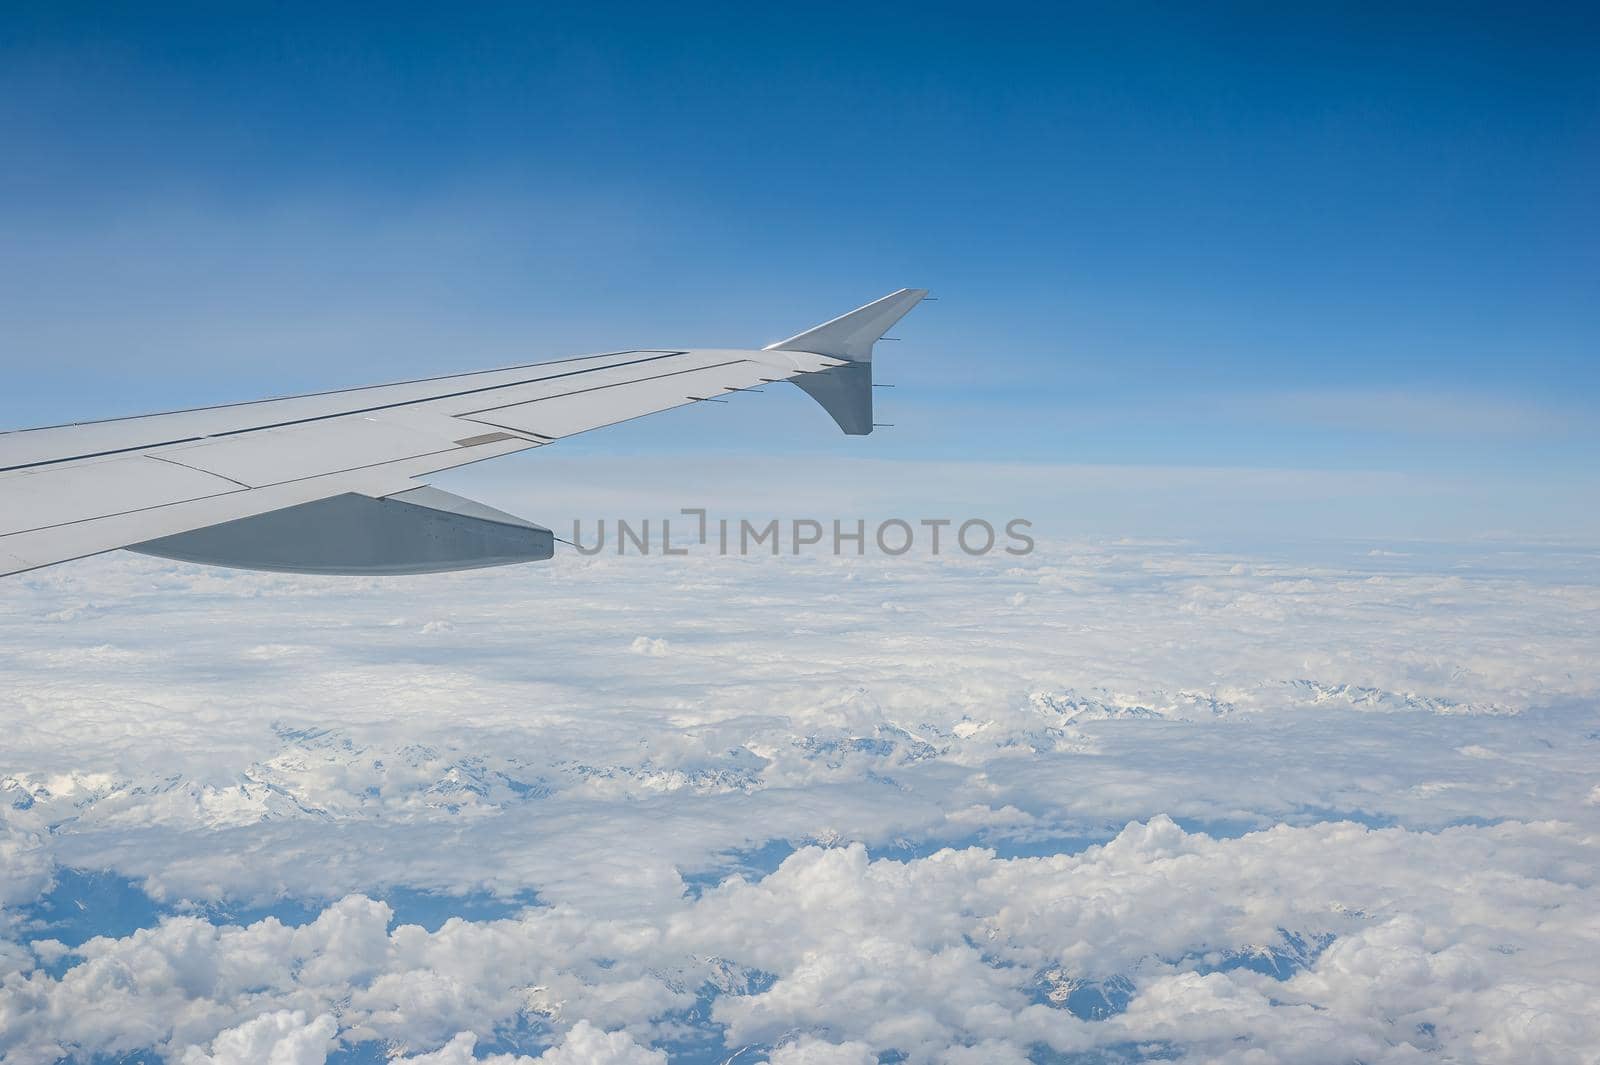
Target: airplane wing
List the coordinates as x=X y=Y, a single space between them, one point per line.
x=335 y=482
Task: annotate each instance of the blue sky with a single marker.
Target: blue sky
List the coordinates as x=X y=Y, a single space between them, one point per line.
x=1341 y=240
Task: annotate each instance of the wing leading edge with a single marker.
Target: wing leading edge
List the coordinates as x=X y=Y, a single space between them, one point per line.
x=284 y=484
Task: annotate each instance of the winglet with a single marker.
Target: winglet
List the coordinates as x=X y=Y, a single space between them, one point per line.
x=851 y=336
x=845 y=392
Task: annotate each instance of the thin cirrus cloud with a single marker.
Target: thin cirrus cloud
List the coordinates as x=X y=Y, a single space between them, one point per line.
x=1429 y=412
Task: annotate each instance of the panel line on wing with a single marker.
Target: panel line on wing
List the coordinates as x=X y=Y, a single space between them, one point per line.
x=197 y=469
x=97 y=454
x=338 y=414
x=599 y=388
x=38 y=501
x=342 y=391
x=583 y=410
x=229 y=492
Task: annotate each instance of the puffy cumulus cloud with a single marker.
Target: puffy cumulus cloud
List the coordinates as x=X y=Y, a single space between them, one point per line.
x=809 y=1050
x=1319 y=943
x=283 y=1037
x=456 y=1052
x=25 y=866
x=648 y=645
x=945 y=950
x=587 y=1045
x=584 y=1045
x=1113 y=798
x=177 y=983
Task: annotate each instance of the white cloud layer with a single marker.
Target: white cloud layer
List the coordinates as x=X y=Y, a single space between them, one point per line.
x=1111 y=801
x=282 y=1037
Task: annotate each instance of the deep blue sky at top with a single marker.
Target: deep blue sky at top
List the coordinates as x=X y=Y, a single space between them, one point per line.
x=1350 y=237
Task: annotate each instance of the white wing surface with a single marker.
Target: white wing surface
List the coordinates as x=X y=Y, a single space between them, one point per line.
x=333 y=483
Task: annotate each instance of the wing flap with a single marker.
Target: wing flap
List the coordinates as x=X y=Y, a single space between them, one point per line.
x=420 y=531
